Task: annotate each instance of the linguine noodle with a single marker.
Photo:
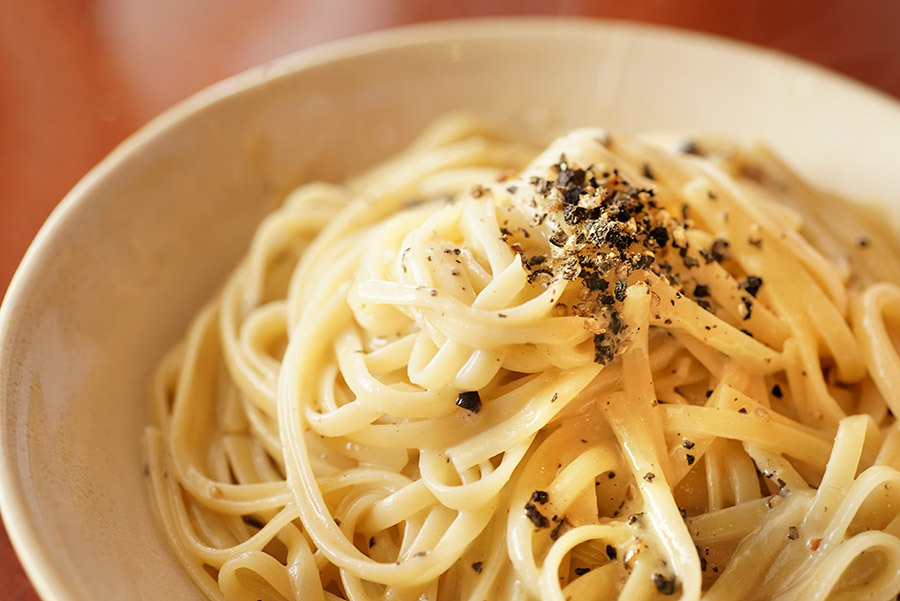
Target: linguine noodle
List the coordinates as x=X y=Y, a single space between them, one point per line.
x=619 y=367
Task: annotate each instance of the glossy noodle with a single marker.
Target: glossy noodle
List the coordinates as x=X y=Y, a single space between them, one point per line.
x=618 y=367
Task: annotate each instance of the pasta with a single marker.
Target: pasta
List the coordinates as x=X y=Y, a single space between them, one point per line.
x=619 y=367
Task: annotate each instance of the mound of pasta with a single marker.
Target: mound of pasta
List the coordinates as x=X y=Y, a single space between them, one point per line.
x=616 y=368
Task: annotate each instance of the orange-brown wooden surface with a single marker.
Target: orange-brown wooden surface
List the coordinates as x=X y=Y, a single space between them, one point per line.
x=78 y=76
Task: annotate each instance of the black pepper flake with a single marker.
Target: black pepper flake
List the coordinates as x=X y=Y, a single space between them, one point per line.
x=611 y=475
x=645 y=170
x=558 y=238
x=793 y=533
x=690 y=459
x=688 y=444
x=593 y=281
x=371 y=542
x=611 y=552
x=719 y=250
x=742 y=410
x=604 y=349
x=620 y=288
x=540 y=497
x=776 y=392
x=607 y=299
x=536 y=517
x=477 y=567
x=571 y=195
x=615 y=323
x=664 y=584
x=649 y=476
x=751 y=284
x=659 y=235
x=747 y=309
x=703 y=564
x=708 y=394
x=863 y=242
x=706 y=305
x=643 y=260
x=573 y=214
x=581 y=571
x=537 y=260
x=610 y=235
x=470 y=401
x=701 y=290
x=554 y=534
x=570 y=177
x=568 y=269
x=690 y=262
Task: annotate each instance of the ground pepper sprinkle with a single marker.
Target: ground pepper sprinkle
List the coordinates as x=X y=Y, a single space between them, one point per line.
x=608 y=232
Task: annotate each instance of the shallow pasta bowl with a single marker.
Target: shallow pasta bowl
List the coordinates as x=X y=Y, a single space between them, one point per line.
x=115 y=274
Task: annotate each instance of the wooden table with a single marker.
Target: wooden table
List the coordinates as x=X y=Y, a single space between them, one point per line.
x=78 y=76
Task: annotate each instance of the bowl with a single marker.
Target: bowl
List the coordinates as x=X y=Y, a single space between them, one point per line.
x=132 y=252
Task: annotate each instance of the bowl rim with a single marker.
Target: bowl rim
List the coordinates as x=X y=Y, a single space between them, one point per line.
x=18 y=520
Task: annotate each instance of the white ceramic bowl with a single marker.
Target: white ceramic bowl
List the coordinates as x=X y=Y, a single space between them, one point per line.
x=131 y=253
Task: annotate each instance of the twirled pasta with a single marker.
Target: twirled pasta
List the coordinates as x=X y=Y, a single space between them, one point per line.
x=625 y=369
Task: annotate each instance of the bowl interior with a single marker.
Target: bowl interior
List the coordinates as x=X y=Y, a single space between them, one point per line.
x=136 y=248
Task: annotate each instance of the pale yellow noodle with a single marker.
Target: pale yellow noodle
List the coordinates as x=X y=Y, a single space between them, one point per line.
x=609 y=369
